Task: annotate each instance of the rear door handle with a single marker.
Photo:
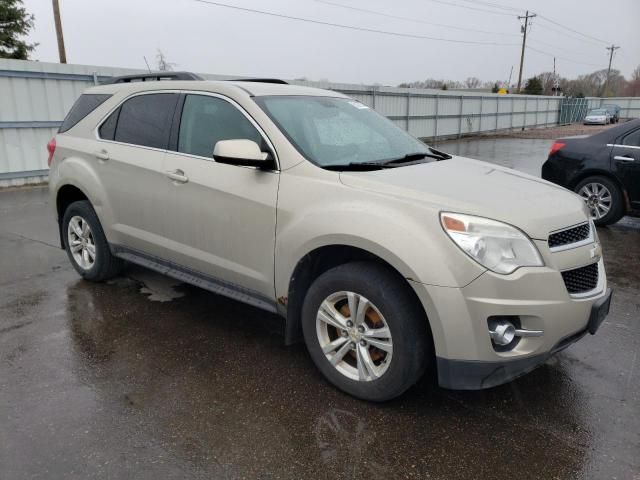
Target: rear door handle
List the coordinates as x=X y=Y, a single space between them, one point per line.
x=178 y=176
x=102 y=155
x=624 y=158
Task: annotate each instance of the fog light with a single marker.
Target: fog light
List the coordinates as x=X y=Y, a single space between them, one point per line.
x=503 y=333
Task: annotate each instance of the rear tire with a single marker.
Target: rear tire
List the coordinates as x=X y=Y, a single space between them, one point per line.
x=388 y=316
x=86 y=245
x=603 y=198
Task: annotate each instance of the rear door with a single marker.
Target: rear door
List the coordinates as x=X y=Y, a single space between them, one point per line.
x=132 y=147
x=221 y=218
x=625 y=163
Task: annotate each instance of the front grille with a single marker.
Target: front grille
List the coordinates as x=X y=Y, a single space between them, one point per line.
x=570 y=235
x=580 y=280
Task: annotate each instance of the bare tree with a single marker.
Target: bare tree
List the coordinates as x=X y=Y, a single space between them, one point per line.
x=632 y=88
x=547 y=80
x=472 y=82
x=163 y=64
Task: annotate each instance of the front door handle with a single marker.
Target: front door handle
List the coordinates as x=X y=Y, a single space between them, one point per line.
x=102 y=155
x=178 y=176
x=624 y=158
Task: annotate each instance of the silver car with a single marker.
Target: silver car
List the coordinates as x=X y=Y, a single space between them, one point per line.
x=386 y=256
x=598 y=116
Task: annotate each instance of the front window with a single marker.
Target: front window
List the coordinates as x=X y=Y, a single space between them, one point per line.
x=206 y=120
x=332 y=132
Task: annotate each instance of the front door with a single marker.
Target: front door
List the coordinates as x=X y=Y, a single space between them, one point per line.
x=221 y=218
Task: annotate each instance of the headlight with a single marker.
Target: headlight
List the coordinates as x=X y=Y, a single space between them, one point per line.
x=495 y=245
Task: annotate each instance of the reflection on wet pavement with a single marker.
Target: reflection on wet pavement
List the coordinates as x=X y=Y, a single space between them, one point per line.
x=100 y=381
x=523 y=154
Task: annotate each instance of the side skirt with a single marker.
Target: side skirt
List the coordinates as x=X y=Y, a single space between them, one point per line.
x=193 y=277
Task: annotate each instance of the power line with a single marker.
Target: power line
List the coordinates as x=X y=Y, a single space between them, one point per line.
x=561 y=32
x=352 y=27
x=415 y=20
x=507 y=7
x=572 y=30
x=529 y=47
x=494 y=5
x=555 y=47
x=471 y=8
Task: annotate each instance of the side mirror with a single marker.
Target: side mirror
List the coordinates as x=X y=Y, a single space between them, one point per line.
x=240 y=152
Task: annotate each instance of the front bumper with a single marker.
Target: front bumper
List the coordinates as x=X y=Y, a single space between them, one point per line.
x=476 y=375
x=537 y=296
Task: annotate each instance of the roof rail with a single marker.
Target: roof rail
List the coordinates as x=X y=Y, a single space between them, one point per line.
x=155 y=76
x=259 y=80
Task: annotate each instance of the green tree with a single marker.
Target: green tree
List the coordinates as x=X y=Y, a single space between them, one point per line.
x=533 y=86
x=15 y=24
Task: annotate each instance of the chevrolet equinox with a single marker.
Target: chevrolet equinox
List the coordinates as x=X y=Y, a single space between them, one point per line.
x=385 y=255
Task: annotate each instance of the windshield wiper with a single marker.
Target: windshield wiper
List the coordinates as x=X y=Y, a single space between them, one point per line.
x=412 y=157
x=441 y=155
x=358 y=166
x=409 y=158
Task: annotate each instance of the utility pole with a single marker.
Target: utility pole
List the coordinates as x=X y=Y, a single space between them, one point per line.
x=58 y=22
x=524 y=42
x=556 y=81
x=611 y=49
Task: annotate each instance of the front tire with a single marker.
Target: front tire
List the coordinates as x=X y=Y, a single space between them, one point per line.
x=603 y=198
x=379 y=351
x=86 y=245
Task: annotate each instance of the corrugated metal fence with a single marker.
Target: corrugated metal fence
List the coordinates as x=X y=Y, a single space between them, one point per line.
x=35 y=96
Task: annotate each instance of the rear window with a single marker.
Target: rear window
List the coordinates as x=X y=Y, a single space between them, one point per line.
x=86 y=104
x=145 y=120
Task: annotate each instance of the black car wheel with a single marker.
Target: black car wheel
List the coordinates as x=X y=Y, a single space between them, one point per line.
x=603 y=198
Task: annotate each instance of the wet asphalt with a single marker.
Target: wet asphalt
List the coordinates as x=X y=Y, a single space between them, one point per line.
x=143 y=377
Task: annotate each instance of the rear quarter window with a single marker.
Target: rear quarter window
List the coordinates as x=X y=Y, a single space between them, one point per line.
x=86 y=104
x=145 y=120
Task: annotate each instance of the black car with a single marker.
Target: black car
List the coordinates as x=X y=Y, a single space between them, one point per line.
x=604 y=169
x=614 y=111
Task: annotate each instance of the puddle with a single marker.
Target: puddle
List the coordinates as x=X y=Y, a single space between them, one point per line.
x=157 y=287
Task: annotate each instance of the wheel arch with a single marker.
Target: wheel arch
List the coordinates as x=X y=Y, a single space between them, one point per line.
x=65 y=196
x=315 y=263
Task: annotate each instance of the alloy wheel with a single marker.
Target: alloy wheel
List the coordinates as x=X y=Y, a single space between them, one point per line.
x=354 y=336
x=81 y=242
x=598 y=198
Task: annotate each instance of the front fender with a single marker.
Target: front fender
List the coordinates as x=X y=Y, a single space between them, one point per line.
x=404 y=234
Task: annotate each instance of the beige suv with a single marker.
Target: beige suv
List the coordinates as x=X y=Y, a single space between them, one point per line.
x=385 y=255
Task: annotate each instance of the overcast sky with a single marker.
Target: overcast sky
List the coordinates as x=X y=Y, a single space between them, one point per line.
x=212 y=39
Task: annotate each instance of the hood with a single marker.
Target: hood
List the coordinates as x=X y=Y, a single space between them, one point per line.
x=463 y=185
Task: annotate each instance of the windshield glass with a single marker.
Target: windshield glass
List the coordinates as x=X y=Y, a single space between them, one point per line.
x=597 y=112
x=338 y=131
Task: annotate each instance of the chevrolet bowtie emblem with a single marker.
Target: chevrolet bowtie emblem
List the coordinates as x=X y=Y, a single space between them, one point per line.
x=596 y=251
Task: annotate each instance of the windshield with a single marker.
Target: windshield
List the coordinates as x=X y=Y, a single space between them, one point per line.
x=338 y=131
x=597 y=112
